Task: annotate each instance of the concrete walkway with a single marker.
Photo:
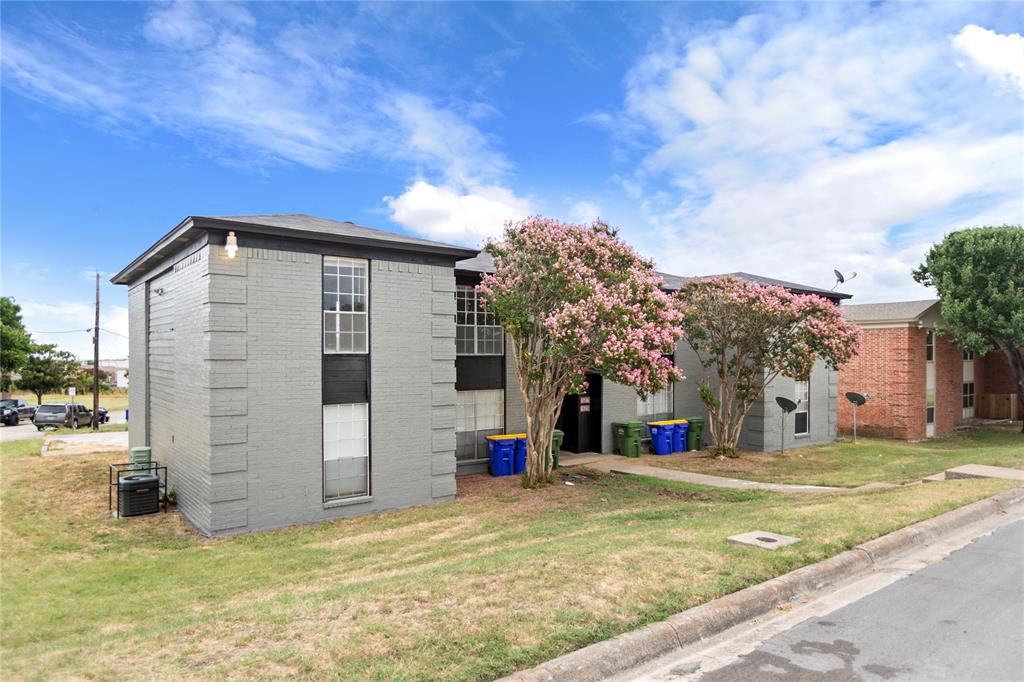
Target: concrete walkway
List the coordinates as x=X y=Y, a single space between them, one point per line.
x=618 y=464
x=85 y=443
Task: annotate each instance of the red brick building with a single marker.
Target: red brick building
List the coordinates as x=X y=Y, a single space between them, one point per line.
x=919 y=384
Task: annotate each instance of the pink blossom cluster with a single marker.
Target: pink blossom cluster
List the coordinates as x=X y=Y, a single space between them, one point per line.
x=782 y=331
x=588 y=299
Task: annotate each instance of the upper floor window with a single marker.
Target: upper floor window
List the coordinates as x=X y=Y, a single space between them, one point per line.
x=477 y=331
x=346 y=302
x=929 y=346
x=968 y=355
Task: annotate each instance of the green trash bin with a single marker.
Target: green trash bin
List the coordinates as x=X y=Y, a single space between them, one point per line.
x=140 y=457
x=556 y=445
x=627 y=437
x=695 y=433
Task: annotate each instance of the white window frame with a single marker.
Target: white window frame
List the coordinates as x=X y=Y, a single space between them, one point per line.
x=656 y=404
x=484 y=422
x=471 y=320
x=968 y=394
x=346 y=437
x=802 y=394
x=342 y=321
x=929 y=346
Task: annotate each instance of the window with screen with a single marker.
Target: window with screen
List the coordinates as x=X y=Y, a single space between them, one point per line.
x=801 y=416
x=478 y=414
x=346 y=451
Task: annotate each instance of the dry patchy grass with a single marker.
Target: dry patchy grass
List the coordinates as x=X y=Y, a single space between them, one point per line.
x=499 y=579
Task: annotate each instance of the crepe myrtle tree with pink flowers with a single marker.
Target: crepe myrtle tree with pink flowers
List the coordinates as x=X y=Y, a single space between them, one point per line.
x=748 y=334
x=575 y=299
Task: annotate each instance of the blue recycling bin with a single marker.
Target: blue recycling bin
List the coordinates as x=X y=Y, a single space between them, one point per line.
x=679 y=430
x=502 y=452
x=661 y=437
x=519 y=461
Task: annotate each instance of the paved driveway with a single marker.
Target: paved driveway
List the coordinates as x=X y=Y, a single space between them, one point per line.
x=960 y=619
x=22 y=431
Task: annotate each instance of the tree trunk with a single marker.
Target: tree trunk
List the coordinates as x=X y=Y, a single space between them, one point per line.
x=1016 y=360
x=541 y=416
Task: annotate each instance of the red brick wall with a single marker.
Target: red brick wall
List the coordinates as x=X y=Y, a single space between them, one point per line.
x=890 y=369
x=992 y=374
x=949 y=385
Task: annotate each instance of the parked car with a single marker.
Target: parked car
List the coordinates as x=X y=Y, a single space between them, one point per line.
x=56 y=415
x=14 y=410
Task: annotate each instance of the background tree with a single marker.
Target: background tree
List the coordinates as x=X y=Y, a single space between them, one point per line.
x=748 y=334
x=48 y=370
x=575 y=299
x=15 y=342
x=979 y=276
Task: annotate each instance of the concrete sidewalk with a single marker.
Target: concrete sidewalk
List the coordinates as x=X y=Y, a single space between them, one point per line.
x=618 y=464
x=85 y=443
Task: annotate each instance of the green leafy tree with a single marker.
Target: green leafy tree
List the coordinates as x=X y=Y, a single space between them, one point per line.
x=15 y=342
x=48 y=370
x=979 y=276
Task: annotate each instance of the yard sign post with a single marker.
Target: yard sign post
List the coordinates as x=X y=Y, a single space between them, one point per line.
x=787 y=406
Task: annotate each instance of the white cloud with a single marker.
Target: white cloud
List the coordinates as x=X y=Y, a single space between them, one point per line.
x=258 y=95
x=846 y=138
x=584 y=212
x=66 y=324
x=1001 y=56
x=452 y=214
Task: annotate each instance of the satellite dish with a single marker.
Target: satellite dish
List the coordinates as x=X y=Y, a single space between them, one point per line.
x=786 y=404
x=840 y=279
x=856 y=398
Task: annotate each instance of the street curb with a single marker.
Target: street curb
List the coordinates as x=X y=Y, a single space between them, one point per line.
x=629 y=650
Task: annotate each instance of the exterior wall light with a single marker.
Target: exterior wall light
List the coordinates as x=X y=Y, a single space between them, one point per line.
x=231 y=245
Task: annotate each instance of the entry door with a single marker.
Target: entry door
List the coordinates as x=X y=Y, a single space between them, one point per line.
x=581 y=418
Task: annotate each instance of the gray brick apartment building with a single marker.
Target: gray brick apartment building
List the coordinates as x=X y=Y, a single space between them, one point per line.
x=322 y=369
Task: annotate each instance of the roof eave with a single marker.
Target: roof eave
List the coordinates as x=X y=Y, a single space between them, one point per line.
x=203 y=223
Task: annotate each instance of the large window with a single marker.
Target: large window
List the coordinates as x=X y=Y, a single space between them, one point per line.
x=346 y=297
x=802 y=414
x=477 y=331
x=478 y=414
x=657 y=405
x=346 y=451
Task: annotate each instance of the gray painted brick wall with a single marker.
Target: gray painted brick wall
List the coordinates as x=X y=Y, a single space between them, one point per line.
x=234 y=390
x=138 y=365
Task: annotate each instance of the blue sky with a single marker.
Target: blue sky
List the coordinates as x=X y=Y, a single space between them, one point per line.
x=780 y=139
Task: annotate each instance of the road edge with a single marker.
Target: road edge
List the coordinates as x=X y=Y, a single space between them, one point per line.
x=626 y=651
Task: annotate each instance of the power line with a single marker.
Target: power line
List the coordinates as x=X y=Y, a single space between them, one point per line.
x=112 y=332
x=66 y=331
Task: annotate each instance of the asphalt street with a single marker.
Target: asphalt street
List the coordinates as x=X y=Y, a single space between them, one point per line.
x=959 y=619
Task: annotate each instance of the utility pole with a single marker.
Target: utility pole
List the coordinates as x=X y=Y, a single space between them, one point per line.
x=96 y=362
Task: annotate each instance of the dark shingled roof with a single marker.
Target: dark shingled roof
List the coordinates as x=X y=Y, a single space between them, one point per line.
x=288 y=226
x=483 y=262
x=897 y=311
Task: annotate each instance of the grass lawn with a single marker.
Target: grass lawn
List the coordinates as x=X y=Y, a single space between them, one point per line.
x=115 y=400
x=500 y=579
x=845 y=463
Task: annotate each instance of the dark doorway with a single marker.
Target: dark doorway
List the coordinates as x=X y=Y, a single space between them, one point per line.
x=581 y=418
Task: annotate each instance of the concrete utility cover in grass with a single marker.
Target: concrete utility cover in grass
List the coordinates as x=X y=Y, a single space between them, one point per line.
x=762 y=539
